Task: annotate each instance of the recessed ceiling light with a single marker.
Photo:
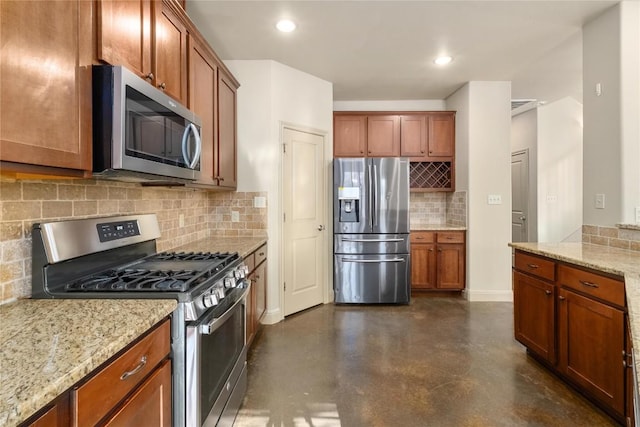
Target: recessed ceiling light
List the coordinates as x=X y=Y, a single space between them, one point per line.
x=286 y=25
x=443 y=60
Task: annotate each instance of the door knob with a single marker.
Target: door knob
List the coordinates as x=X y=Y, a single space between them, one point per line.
x=522 y=218
x=320 y=227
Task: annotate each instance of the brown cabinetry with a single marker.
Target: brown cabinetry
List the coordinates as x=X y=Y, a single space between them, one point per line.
x=226 y=149
x=427 y=138
x=437 y=260
x=45 y=87
x=154 y=44
x=257 y=299
x=574 y=320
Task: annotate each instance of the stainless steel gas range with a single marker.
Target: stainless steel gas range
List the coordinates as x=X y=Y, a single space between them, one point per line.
x=116 y=257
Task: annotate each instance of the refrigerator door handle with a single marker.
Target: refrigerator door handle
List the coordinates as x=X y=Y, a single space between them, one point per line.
x=374 y=213
x=372 y=240
x=372 y=261
x=370 y=196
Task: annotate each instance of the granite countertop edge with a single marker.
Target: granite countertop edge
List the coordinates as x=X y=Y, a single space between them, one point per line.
x=437 y=227
x=243 y=245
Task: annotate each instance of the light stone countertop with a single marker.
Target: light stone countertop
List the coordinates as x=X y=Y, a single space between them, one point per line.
x=243 y=245
x=437 y=227
x=46 y=346
x=616 y=261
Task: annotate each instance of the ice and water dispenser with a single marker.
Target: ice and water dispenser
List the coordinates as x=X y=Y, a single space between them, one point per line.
x=349 y=200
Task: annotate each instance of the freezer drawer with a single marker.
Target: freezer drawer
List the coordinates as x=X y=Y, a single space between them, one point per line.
x=370 y=244
x=370 y=279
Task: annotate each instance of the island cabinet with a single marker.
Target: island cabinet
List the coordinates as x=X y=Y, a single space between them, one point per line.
x=132 y=388
x=45 y=88
x=573 y=320
x=154 y=45
x=437 y=260
x=257 y=299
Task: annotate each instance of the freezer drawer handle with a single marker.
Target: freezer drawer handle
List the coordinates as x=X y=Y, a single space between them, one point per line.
x=372 y=240
x=372 y=261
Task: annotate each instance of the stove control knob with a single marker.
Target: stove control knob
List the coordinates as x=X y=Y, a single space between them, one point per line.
x=237 y=274
x=219 y=292
x=210 y=300
x=229 y=282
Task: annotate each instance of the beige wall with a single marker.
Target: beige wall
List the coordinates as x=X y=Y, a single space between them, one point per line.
x=23 y=203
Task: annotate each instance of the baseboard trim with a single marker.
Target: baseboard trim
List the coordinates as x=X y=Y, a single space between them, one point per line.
x=271 y=317
x=488 y=295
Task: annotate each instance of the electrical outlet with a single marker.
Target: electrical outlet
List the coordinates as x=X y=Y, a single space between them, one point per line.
x=552 y=198
x=235 y=216
x=494 y=199
x=181 y=220
x=259 y=202
x=638 y=215
x=599 y=201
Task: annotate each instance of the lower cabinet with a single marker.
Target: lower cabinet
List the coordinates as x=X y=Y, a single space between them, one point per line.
x=573 y=320
x=132 y=389
x=438 y=260
x=257 y=299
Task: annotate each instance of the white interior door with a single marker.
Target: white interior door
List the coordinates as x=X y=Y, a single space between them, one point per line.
x=304 y=196
x=519 y=196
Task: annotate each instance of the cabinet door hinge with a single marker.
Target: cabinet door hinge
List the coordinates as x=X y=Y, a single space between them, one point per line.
x=284 y=217
x=285 y=286
x=284 y=148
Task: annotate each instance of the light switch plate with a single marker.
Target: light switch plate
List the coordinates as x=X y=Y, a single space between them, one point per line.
x=599 y=201
x=235 y=216
x=552 y=198
x=494 y=199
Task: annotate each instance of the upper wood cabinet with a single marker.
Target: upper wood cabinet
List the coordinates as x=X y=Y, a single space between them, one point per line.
x=225 y=169
x=428 y=137
x=147 y=37
x=203 y=87
x=349 y=135
x=45 y=87
x=170 y=53
x=383 y=136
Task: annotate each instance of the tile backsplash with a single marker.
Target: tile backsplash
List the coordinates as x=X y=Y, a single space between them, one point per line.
x=23 y=203
x=440 y=208
x=618 y=237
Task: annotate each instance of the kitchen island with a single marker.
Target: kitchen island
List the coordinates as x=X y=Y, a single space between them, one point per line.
x=597 y=267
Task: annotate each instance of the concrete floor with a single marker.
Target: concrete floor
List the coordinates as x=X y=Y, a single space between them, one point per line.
x=436 y=362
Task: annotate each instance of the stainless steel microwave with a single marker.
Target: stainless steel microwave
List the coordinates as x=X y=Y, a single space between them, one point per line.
x=139 y=133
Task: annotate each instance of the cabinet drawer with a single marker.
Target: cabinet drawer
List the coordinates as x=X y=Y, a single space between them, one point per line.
x=261 y=254
x=95 y=398
x=604 y=288
x=250 y=261
x=422 y=237
x=536 y=265
x=450 y=237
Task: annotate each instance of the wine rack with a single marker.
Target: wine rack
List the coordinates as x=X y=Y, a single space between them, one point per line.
x=431 y=176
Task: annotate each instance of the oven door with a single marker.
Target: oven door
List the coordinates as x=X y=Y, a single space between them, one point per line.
x=216 y=362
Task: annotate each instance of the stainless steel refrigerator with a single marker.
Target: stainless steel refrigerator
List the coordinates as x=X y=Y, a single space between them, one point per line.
x=371 y=230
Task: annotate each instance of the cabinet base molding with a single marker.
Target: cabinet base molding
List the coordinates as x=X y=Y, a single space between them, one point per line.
x=489 y=295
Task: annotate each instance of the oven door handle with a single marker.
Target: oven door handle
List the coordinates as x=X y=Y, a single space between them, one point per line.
x=210 y=327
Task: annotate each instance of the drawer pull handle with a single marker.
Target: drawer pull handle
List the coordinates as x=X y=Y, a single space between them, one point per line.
x=589 y=284
x=419 y=238
x=548 y=292
x=261 y=254
x=143 y=362
x=561 y=298
x=533 y=266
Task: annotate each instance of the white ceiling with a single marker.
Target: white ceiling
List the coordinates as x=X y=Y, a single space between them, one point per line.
x=384 y=50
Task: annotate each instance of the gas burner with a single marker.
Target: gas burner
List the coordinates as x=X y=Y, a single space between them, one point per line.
x=191 y=256
x=135 y=280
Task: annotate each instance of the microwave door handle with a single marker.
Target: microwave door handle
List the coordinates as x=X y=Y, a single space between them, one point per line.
x=191 y=163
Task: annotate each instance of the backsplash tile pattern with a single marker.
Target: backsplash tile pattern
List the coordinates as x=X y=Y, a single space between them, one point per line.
x=611 y=236
x=23 y=203
x=252 y=221
x=441 y=208
x=457 y=209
